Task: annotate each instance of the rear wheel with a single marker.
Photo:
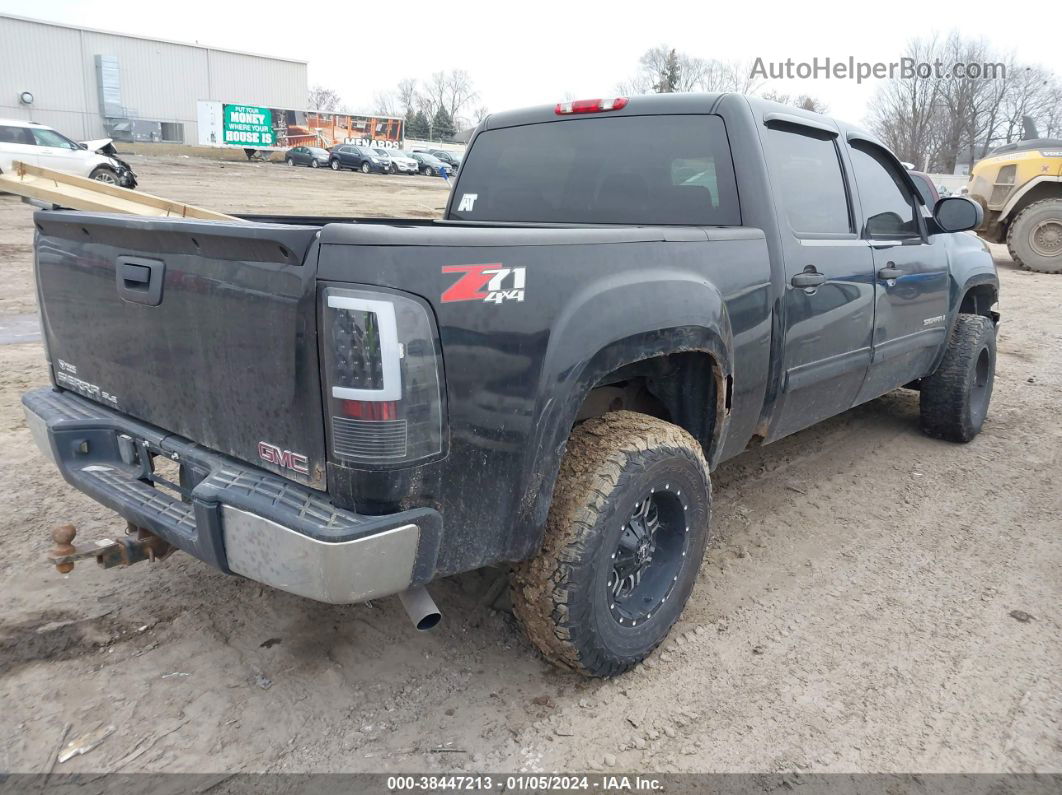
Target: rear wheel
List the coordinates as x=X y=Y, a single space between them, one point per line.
x=105 y=175
x=1034 y=238
x=334 y=165
x=954 y=400
x=291 y=162
x=624 y=540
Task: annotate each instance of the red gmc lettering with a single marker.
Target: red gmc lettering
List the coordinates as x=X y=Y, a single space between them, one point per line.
x=272 y=454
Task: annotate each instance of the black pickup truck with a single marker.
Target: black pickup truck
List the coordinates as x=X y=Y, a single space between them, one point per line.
x=543 y=379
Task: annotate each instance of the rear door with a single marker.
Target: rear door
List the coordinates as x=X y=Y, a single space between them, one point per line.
x=828 y=308
x=205 y=329
x=911 y=272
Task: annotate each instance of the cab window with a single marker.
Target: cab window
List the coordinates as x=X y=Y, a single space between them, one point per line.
x=806 y=167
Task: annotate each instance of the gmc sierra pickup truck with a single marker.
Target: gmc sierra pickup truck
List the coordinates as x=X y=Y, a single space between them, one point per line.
x=542 y=379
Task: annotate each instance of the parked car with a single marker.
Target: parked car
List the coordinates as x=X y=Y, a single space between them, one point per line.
x=360 y=158
x=543 y=379
x=400 y=162
x=926 y=189
x=452 y=159
x=312 y=156
x=39 y=145
x=430 y=165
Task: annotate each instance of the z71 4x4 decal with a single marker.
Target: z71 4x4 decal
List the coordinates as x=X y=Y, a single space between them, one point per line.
x=492 y=283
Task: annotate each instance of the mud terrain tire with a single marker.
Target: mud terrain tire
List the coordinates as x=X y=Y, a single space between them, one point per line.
x=566 y=597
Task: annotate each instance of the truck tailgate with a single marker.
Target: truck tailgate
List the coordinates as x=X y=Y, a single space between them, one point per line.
x=205 y=329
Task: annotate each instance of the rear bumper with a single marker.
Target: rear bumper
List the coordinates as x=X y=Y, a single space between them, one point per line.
x=238 y=518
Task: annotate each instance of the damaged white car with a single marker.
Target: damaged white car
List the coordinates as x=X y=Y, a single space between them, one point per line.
x=40 y=145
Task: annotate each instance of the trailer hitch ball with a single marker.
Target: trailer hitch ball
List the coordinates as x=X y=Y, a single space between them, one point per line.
x=63 y=536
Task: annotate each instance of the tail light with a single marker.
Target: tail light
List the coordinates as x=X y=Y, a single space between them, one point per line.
x=381 y=368
x=590 y=105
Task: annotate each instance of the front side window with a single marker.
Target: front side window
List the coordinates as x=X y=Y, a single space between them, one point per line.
x=52 y=138
x=888 y=206
x=806 y=170
x=641 y=170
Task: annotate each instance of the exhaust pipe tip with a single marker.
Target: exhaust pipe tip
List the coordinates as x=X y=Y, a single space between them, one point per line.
x=420 y=608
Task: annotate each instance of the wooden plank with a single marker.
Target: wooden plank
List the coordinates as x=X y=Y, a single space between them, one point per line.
x=80 y=193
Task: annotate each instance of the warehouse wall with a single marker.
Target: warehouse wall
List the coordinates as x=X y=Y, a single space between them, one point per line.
x=160 y=81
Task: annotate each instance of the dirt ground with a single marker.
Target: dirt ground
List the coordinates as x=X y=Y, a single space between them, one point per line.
x=873 y=600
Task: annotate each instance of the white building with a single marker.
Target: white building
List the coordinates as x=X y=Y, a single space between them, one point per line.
x=94 y=84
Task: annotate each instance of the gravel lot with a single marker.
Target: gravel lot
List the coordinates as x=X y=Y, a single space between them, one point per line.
x=873 y=600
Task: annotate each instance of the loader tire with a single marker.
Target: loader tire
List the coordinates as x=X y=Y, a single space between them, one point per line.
x=1034 y=238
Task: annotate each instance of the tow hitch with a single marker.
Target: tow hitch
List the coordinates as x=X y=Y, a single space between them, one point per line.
x=138 y=544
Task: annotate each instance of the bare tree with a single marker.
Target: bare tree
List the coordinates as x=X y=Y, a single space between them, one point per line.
x=667 y=69
x=406 y=92
x=385 y=103
x=323 y=99
x=906 y=111
x=452 y=91
x=942 y=118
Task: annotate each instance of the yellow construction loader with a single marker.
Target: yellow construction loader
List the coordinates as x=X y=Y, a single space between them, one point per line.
x=1019 y=185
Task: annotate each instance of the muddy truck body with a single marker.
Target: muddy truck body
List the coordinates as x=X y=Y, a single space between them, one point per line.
x=543 y=379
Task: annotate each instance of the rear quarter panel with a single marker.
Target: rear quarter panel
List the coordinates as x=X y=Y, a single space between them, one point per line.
x=517 y=371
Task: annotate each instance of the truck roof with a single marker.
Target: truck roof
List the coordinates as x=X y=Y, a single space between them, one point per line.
x=646 y=104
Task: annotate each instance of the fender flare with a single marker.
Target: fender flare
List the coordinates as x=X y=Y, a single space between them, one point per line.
x=582 y=353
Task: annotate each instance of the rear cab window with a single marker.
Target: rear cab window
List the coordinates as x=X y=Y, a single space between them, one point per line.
x=666 y=169
x=805 y=166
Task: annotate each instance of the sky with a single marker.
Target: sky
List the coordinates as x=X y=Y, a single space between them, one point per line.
x=544 y=51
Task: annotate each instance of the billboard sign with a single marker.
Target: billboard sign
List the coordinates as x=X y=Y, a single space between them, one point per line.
x=257 y=127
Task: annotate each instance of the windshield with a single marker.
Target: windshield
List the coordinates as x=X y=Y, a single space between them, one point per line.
x=665 y=169
x=383 y=152
x=316 y=151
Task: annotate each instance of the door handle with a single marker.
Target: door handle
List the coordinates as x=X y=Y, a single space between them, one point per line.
x=890 y=271
x=809 y=278
x=139 y=281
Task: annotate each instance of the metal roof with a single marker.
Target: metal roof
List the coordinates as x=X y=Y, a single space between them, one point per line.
x=196 y=45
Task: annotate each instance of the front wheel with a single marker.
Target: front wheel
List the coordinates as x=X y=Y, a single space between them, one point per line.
x=314 y=164
x=953 y=401
x=105 y=175
x=365 y=168
x=624 y=540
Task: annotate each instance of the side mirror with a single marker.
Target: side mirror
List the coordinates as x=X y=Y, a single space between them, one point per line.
x=957 y=214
